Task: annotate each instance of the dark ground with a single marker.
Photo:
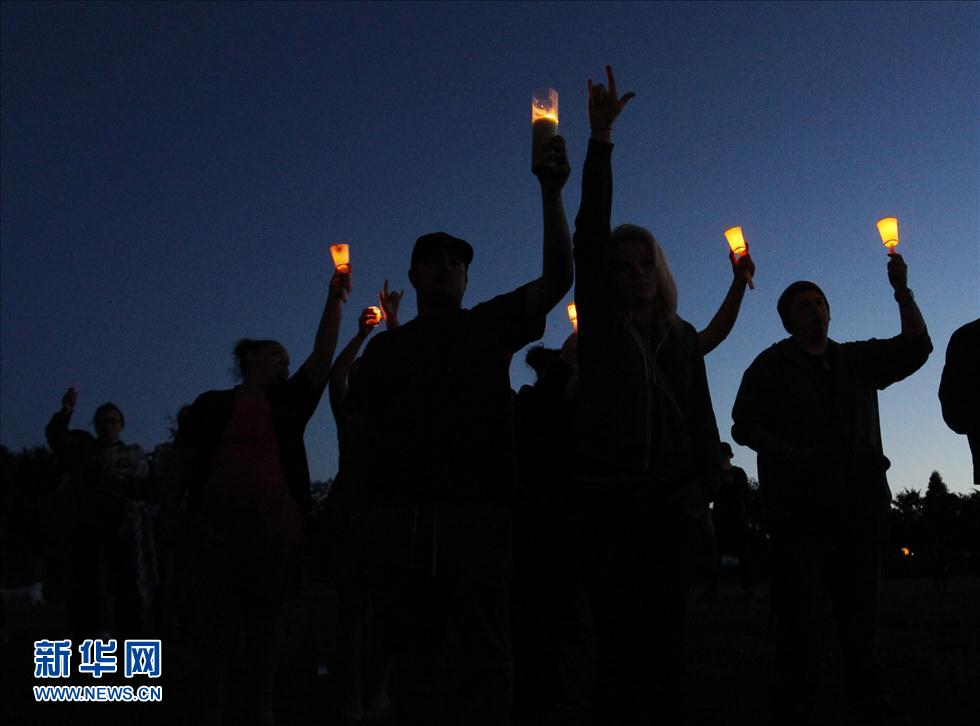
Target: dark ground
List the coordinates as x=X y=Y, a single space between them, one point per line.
x=929 y=647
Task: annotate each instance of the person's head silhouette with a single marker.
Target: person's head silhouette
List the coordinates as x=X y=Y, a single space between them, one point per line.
x=440 y=263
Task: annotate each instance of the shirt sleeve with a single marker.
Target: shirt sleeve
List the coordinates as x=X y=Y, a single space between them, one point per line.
x=504 y=322
x=892 y=359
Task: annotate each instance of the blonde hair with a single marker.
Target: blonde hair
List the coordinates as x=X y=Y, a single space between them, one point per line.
x=665 y=304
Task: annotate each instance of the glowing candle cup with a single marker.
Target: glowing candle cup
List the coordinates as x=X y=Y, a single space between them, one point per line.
x=544 y=122
x=888 y=229
x=378 y=314
x=573 y=316
x=739 y=247
x=341 y=256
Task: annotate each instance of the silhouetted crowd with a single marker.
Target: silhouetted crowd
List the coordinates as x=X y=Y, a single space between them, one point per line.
x=470 y=528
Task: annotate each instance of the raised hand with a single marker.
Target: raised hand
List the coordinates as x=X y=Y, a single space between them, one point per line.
x=898 y=272
x=743 y=268
x=69 y=400
x=553 y=170
x=367 y=321
x=389 y=302
x=340 y=284
x=605 y=104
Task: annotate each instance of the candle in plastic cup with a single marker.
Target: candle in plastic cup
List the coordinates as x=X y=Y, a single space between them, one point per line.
x=341 y=256
x=378 y=314
x=739 y=247
x=736 y=241
x=888 y=229
x=544 y=121
x=573 y=316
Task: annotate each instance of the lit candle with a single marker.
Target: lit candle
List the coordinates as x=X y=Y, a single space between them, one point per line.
x=739 y=247
x=341 y=256
x=544 y=122
x=573 y=316
x=888 y=229
x=378 y=314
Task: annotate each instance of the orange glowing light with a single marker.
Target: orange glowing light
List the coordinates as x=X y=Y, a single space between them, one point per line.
x=906 y=552
x=888 y=229
x=341 y=256
x=377 y=315
x=573 y=316
x=544 y=122
x=736 y=241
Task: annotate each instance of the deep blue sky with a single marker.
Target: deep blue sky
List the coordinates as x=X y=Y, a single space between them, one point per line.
x=173 y=174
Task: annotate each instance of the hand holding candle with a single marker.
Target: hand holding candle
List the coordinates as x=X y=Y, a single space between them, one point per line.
x=888 y=229
x=368 y=320
x=573 y=316
x=739 y=252
x=544 y=122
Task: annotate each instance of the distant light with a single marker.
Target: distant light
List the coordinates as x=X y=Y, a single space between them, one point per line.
x=573 y=316
x=906 y=552
x=888 y=229
x=341 y=256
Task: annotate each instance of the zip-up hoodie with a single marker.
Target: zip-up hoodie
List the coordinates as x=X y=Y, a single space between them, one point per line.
x=645 y=411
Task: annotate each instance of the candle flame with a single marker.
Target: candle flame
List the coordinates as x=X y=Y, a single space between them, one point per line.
x=573 y=316
x=544 y=105
x=378 y=314
x=888 y=229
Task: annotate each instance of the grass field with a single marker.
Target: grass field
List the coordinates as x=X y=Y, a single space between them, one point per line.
x=929 y=648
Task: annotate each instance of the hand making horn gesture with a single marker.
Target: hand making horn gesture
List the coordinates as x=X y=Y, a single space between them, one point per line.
x=605 y=104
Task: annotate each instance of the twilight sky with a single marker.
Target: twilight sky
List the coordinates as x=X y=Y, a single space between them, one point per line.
x=172 y=175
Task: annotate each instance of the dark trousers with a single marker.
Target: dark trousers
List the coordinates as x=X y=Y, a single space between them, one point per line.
x=816 y=565
x=442 y=592
x=638 y=586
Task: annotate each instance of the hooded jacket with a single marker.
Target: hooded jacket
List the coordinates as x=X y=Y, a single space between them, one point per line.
x=645 y=411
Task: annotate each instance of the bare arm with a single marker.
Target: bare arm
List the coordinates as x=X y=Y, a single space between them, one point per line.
x=724 y=320
x=341 y=367
x=317 y=365
x=913 y=324
x=557 y=271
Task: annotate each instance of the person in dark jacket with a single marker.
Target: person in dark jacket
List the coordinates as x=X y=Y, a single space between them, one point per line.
x=245 y=465
x=959 y=389
x=809 y=407
x=647 y=441
x=439 y=492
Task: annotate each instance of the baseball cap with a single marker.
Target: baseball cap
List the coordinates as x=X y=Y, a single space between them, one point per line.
x=438 y=241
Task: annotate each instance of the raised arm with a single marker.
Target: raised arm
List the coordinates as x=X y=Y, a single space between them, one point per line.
x=56 y=432
x=390 y=302
x=317 y=366
x=913 y=325
x=556 y=270
x=341 y=367
x=724 y=320
x=593 y=221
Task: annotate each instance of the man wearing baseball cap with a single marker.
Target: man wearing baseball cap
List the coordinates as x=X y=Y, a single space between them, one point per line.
x=433 y=456
x=809 y=407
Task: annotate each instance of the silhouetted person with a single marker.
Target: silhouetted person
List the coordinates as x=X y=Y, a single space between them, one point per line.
x=648 y=443
x=809 y=406
x=730 y=519
x=111 y=567
x=433 y=430
x=366 y=667
x=249 y=482
x=959 y=390
x=554 y=641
